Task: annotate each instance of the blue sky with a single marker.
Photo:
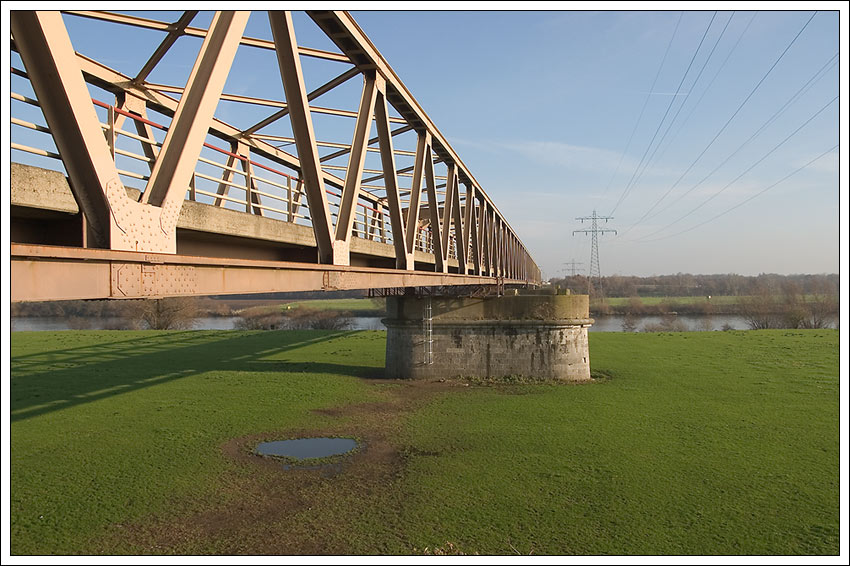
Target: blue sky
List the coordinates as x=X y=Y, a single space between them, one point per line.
x=559 y=113
x=541 y=106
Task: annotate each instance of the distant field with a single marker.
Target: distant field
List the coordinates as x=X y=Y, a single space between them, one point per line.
x=715 y=300
x=136 y=442
x=353 y=305
x=653 y=301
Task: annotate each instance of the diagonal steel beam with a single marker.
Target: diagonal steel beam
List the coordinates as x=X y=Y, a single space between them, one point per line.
x=372 y=141
x=302 y=128
x=434 y=212
x=354 y=172
x=457 y=219
x=475 y=231
x=330 y=85
x=415 y=192
x=50 y=61
x=185 y=138
x=468 y=226
x=341 y=28
x=177 y=29
x=403 y=259
x=448 y=204
x=119 y=84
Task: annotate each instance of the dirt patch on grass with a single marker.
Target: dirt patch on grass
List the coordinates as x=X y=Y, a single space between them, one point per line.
x=264 y=509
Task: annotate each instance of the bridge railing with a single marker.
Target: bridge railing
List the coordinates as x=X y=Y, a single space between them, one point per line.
x=253 y=169
x=252 y=191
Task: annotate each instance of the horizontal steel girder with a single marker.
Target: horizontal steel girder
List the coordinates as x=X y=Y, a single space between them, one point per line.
x=42 y=273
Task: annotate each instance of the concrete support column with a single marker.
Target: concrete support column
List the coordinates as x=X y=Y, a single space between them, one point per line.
x=532 y=335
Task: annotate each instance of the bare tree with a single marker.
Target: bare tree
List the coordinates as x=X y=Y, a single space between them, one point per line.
x=171 y=313
x=822 y=305
x=760 y=309
x=630 y=322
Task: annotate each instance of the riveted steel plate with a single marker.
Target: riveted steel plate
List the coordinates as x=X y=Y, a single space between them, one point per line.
x=157 y=280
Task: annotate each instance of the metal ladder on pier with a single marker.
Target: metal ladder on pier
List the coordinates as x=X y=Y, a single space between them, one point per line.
x=428 y=331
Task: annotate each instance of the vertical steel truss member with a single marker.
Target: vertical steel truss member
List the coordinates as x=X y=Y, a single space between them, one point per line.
x=135 y=105
x=465 y=227
x=241 y=154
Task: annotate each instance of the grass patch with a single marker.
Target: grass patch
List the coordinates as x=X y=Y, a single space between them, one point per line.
x=655 y=301
x=717 y=443
x=357 y=307
x=108 y=427
x=685 y=443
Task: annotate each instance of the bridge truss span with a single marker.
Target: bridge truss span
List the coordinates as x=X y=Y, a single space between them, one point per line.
x=164 y=154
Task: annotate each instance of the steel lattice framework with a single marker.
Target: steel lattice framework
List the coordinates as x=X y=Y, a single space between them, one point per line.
x=156 y=169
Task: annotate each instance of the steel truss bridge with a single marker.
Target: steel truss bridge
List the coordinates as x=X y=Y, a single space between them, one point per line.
x=180 y=155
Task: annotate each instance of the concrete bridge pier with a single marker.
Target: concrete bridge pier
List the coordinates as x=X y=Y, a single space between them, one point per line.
x=542 y=336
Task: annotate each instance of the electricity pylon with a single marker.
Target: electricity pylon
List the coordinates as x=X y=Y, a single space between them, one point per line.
x=594 y=230
x=573 y=263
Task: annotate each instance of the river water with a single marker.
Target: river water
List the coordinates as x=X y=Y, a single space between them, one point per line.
x=601 y=324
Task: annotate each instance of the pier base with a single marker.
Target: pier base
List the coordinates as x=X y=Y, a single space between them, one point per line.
x=540 y=336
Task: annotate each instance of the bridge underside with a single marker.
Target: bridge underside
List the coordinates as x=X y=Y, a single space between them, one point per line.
x=219 y=252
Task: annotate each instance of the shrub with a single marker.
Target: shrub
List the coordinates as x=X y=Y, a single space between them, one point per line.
x=669 y=323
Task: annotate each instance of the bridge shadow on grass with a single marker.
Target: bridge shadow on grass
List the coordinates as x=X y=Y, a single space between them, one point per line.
x=87 y=371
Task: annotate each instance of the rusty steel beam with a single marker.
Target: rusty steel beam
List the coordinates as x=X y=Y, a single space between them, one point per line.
x=46 y=273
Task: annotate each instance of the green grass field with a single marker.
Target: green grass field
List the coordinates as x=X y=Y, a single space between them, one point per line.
x=693 y=443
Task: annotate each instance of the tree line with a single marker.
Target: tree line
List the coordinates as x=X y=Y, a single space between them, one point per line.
x=177 y=313
x=764 y=301
x=688 y=285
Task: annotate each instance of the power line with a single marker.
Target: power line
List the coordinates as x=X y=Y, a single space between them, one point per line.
x=646 y=100
x=802 y=90
x=685 y=100
x=717 y=135
x=630 y=184
x=750 y=168
x=716 y=74
x=745 y=201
